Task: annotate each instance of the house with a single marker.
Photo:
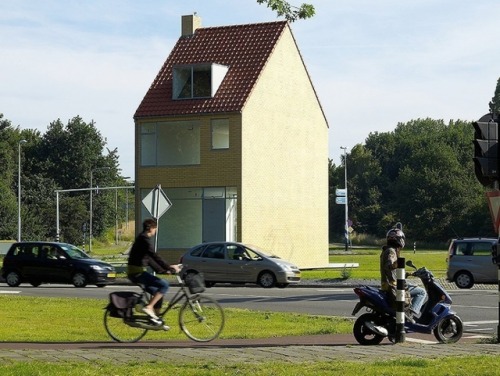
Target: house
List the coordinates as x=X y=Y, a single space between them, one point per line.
x=233 y=131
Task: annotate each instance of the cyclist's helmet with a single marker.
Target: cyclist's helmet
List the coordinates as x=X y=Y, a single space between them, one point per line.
x=396 y=238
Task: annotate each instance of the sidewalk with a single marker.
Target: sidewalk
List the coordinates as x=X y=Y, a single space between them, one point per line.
x=287 y=349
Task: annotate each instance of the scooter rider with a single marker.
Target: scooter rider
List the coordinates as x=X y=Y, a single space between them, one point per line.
x=388 y=264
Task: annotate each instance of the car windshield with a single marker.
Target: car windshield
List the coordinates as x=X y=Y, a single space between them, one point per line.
x=260 y=252
x=74 y=252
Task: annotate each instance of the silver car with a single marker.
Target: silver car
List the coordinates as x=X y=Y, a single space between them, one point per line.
x=231 y=262
x=470 y=261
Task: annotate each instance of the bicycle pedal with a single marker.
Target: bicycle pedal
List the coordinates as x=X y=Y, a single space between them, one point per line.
x=157 y=322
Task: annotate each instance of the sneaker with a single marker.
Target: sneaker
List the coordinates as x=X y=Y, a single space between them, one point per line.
x=409 y=317
x=150 y=313
x=380 y=330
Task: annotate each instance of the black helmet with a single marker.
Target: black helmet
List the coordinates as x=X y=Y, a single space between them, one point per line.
x=396 y=238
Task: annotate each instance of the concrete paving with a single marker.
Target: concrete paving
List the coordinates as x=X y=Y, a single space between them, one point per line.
x=287 y=349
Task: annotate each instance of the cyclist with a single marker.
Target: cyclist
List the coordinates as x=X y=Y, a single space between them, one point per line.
x=142 y=255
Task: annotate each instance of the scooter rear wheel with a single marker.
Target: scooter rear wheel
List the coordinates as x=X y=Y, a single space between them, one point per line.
x=449 y=329
x=363 y=334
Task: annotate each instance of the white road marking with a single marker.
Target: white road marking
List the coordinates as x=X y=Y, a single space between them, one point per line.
x=9 y=292
x=481 y=322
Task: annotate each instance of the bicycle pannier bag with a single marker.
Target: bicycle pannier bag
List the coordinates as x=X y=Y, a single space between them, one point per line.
x=122 y=303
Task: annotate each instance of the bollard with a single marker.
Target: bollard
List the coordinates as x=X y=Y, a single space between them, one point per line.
x=400 y=301
x=498 y=326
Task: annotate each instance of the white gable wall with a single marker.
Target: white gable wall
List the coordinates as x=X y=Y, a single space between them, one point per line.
x=284 y=193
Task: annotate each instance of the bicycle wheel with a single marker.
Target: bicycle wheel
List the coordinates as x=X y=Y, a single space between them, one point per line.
x=201 y=318
x=120 y=331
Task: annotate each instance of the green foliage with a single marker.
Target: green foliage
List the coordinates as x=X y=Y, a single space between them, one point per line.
x=290 y=12
x=422 y=175
x=495 y=102
x=60 y=159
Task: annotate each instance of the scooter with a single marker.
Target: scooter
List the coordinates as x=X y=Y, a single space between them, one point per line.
x=379 y=322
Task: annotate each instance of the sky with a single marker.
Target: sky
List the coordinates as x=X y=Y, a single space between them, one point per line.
x=373 y=63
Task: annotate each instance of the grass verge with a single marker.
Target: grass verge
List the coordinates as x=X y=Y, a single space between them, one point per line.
x=467 y=365
x=36 y=319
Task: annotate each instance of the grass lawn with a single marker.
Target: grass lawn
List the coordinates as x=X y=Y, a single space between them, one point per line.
x=368 y=260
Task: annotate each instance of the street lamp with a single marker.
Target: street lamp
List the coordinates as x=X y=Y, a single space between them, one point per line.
x=91 y=194
x=346 y=229
x=19 y=189
x=116 y=209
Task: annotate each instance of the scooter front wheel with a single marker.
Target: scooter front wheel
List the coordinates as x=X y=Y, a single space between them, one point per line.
x=449 y=329
x=363 y=334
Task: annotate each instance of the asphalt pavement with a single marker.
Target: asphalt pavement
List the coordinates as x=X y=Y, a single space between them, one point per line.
x=229 y=351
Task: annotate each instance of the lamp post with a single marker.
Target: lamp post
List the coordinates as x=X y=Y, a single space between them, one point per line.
x=116 y=209
x=91 y=194
x=19 y=189
x=346 y=225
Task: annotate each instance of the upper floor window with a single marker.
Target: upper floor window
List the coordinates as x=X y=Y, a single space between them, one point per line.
x=197 y=81
x=172 y=143
x=220 y=133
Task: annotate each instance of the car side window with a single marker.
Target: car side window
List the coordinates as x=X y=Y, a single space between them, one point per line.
x=26 y=252
x=462 y=249
x=215 y=251
x=197 y=251
x=252 y=255
x=236 y=252
x=481 y=249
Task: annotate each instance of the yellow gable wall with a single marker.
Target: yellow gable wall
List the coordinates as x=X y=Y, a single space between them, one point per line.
x=284 y=198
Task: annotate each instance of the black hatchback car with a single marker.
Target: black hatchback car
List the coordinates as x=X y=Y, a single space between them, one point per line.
x=51 y=262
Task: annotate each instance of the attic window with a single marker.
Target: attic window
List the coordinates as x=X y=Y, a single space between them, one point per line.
x=197 y=81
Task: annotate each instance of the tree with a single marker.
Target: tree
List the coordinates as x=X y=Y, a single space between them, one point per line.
x=495 y=102
x=421 y=174
x=9 y=138
x=62 y=158
x=290 y=12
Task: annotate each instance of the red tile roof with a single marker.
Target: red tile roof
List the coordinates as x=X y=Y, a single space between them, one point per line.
x=245 y=49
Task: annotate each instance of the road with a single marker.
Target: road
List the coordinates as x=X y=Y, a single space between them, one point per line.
x=477 y=308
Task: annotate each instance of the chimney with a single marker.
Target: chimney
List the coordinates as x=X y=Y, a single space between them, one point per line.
x=189 y=24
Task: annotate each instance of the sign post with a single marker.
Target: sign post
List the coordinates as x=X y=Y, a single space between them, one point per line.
x=157 y=203
x=341 y=199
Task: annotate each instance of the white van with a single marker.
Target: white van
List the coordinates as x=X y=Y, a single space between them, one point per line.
x=470 y=261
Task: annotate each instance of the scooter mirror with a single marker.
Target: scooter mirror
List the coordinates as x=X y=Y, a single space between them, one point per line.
x=410 y=264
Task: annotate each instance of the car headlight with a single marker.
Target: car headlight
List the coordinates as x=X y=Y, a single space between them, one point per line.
x=97 y=268
x=285 y=267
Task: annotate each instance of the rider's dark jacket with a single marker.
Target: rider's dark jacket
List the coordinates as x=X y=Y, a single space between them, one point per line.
x=142 y=254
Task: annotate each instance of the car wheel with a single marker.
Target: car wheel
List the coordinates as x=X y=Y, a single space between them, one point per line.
x=79 y=279
x=13 y=279
x=464 y=280
x=266 y=279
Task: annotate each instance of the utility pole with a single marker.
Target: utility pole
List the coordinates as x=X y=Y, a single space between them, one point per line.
x=346 y=225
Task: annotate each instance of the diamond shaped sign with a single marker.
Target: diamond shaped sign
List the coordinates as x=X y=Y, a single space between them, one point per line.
x=156 y=202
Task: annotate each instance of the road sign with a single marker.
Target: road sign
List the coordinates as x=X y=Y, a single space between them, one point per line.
x=494 y=204
x=340 y=200
x=340 y=192
x=156 y=202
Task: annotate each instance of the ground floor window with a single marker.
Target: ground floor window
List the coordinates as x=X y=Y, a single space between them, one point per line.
x=197 y=215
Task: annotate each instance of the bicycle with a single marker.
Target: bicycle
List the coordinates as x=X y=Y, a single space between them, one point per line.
x=201 y=317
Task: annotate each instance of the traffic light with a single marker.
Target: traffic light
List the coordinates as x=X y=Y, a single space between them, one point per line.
x=486 y=150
